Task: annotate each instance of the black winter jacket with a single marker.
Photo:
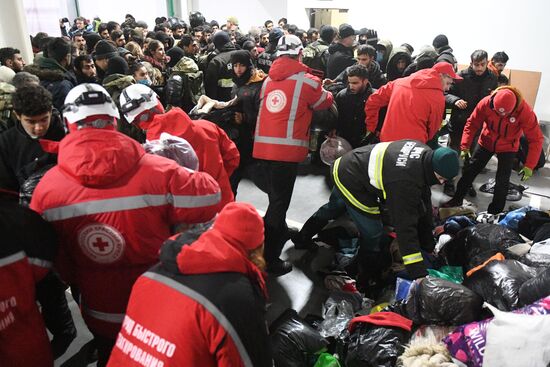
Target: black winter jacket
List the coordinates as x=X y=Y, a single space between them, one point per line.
x=351 y=115
x=340 y=58
x=217 y=80
x=265 y=59
x=407 y=175
x=376 y=76
x=21 y=156
x=472 y=89
x=54 y=78
x=445 y=54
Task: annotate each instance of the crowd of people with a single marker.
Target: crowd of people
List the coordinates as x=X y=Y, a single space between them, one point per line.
x=99 y=133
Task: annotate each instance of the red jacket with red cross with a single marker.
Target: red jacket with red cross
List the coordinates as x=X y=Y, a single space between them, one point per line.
x=288 y=97
x=113 y=205
x=218 y=155
x=502 y=134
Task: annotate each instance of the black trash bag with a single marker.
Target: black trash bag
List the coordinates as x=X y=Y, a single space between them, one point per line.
x=437 y=301
x=27 y=188
x=542 y=233
x=473 y=246
x=535 y=288
x=375 y=346
x=536 y=260
x=293 y=341
x=498 y=282
x=531 y=222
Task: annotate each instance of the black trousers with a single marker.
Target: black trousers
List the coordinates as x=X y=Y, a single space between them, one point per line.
x=479 y=160
x=278 y=182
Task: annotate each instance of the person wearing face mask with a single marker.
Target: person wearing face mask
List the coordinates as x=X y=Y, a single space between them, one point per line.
x=20 y=151
x=383 y=52
x=478 y=82
x=139 y=72
x=248 y=83
x=503 y=118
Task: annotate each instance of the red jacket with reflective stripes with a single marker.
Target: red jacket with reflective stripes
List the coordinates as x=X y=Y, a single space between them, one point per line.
x=218 y=155
x=26 y=256
x=288 y=98
x=502 y=134
x=113 y=205
x=415 y=107
x=202 y=306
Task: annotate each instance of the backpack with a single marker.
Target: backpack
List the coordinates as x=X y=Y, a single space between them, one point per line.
x=6 y=107
x=315 y=56
x=185 y=85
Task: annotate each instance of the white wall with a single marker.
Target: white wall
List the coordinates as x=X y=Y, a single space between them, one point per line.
x=519 y=28
x=108 y=10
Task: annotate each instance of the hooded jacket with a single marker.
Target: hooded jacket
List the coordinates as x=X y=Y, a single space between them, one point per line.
x=55 y=78
x=391 y=68
x=399 y=173
x=415 y=107
x=112 y=206
x=471 y=89
x=340 y=58
x=389 y=47
x=445 y=53
x=502 y=134
x=218 y=156
x=206 y=300
x=217 y=79
x=21 y=155
x=288 y=98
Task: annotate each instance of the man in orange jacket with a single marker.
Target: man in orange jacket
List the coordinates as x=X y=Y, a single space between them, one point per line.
x=416 y=105
x=218 y=155
x=288 y=97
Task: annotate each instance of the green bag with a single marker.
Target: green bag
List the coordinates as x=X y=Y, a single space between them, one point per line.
x=451 y=273
x=327 y=360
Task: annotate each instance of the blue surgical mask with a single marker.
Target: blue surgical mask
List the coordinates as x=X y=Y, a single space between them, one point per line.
x=379 y=57
x=146 y=82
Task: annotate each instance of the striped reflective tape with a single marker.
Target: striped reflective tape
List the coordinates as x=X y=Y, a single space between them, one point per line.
x=39 y=262
x=12 y=258
x=376 y=163
x=129 y=203
x=214 y=311
x=115 y=318
x=348 y=195
x=412 y=258
x=323 y=98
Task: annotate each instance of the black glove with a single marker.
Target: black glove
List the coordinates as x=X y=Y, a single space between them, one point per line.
x=370 y=138
x=372 y=37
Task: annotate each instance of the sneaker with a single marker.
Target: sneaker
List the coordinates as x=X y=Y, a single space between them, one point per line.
x=449 y=189
x=472 y=192
x=279 y=267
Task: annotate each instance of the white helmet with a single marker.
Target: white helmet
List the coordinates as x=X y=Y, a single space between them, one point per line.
x=87 y=100
x=135 y=99
x=289 y=45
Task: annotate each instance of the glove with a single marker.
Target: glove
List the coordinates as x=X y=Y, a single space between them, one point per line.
x=465 y=154
x=525 y=173
x=370 y=138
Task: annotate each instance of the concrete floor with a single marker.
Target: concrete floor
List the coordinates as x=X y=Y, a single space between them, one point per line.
x=302 y=289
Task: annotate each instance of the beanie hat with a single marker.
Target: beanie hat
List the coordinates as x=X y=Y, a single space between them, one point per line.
x=105 y=50
x=345 y=30
x=445 y=162
x=58 y=48
x=327 y=33
x=274 y=35
x=117 y=65
x=141 y=24
x=176 y=54
x=440 y=41
x=220 y=39
x=91 y=40
x=242 y=57
x=504 y=101
x=241 y=223
x=6 y=74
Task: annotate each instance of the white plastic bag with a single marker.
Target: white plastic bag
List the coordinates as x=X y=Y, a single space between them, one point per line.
x=517 y=340
x=176 y=148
